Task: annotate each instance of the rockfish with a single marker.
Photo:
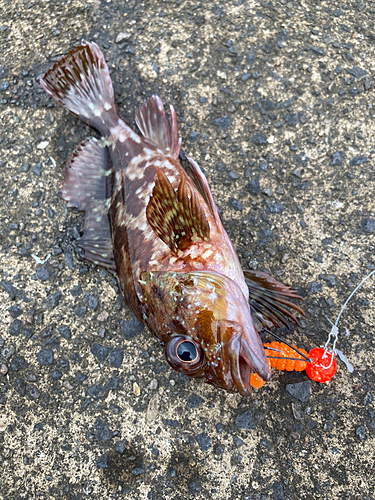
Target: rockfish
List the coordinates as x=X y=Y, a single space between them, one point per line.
x=156 y=227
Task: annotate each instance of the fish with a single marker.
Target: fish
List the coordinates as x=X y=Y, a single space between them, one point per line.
x=155 y=226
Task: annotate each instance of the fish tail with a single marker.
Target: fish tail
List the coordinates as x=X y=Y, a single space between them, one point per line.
x=80 y=82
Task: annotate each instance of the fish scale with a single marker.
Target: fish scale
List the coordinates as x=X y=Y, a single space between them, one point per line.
x=156 y=227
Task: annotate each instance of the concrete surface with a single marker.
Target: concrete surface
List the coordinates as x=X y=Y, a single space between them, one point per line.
x=274 y=91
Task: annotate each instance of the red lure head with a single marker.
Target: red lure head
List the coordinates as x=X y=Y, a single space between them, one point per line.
x=204 y=321
x=320 y=369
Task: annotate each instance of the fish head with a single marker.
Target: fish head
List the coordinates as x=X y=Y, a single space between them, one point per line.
x=205 y=324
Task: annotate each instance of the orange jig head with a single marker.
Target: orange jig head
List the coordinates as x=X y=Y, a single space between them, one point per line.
x=319 y=369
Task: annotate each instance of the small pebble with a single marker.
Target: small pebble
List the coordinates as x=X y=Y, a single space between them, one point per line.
x=245 y=420
x=100 y=351
x=44 y=273
x=300 y=391
x=3 y=369
x=116 y=357
x=204 y=441
x=92 y=301
x=131 y=328
x=136 y=389
x=45 y=357
x=123 y=36
x=153 y=384
x=259 y=139
x=102 y=431
x=34 y=391
x=103 y=316
x=102 y=461
x=8 y=351
x=194 y=401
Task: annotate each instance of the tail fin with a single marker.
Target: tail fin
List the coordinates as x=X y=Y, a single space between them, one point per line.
x=81 y=83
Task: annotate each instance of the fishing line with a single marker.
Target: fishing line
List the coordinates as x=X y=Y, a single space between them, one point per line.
x=333 y=334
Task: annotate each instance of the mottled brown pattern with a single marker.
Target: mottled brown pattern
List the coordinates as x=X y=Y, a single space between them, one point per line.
x=176 y=217
x=176 y=266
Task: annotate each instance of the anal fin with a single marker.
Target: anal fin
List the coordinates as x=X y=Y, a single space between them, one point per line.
x=176 y=217
x=84 y=187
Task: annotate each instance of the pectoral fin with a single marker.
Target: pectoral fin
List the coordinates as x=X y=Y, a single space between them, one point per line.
x=176 y=217
x=268 y=299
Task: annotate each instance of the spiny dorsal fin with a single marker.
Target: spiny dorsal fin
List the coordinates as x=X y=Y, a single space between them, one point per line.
x=152 y=122
x=176 y=218
x=84 y=187
x=200 y=182
x=268 y=298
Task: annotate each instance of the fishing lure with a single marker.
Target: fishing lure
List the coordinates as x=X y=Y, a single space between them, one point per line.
x=319 y=363
x=155 y=226
x=281 y=356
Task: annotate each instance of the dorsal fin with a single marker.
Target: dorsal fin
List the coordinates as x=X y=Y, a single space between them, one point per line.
x=156 y=129
x=84 y=187
x=176 y=218
x=200 y=182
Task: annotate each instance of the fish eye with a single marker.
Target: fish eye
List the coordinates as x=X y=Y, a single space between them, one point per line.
x=185 y=355
x=186 y=351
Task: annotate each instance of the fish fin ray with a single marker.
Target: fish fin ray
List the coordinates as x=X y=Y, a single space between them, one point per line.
x=84 y=176
x=200 y=182
x=98 y=250
x=84 y=188
x=176 y=217
x=80 y=82
x=156 y=129
x=267 y=297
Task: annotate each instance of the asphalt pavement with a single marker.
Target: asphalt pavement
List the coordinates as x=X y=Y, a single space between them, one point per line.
x=275 y=101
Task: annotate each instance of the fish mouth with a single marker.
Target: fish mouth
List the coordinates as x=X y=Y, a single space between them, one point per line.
x=241 y=359
x=248 y=362
x=256 y=360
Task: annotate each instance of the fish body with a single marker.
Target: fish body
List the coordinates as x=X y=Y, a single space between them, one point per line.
x=156 y=227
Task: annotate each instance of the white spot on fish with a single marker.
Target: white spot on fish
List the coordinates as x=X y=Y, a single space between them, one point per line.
x=107 y=106
x=134 y=136
x=207 y=253
x=134 y=174
x=141 y=189
x=115 y=131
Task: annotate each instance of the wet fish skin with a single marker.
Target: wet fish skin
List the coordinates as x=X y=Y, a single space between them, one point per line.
x=156 y=227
